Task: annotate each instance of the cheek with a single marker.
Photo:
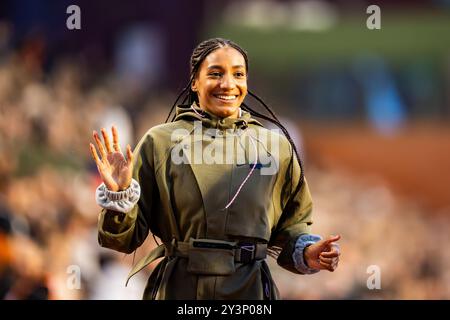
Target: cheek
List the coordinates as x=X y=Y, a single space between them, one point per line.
x=207 y=88
x=243 y=86
x=243 y=91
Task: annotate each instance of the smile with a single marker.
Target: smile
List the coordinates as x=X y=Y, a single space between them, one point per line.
x=226 y=97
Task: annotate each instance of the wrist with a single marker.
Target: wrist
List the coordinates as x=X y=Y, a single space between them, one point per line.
x=306 y=256
x=111 y=187
x=123 y=188
x=116 y=188
x=121 y=201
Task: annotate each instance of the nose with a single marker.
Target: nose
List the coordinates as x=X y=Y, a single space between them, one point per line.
x=227 y=82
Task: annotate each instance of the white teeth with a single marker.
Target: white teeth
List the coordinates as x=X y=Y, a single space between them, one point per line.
x=227 y=97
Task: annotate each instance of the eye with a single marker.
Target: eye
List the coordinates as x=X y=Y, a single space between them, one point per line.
x=239 y=74
x=215 y=74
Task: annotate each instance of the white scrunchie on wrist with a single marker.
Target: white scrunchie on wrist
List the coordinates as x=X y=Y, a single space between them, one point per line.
x=121 y=201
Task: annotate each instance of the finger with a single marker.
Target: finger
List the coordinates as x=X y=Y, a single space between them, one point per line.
x=335 y=264
x=94 y=154
x=327 y=266
x=334 y=252
x=115 y=139
x=129 y=155
x=329 y=255
x=106 y=139
x=332 y=239
x=99 y=145
x=327 y=260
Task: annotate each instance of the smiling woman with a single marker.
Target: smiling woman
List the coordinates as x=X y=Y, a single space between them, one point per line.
x=218 y=221
x=221 y=83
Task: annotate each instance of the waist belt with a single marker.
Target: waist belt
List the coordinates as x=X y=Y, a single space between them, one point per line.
x=243 y=252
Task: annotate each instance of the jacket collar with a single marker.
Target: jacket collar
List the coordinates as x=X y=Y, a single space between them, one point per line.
x=195 y=113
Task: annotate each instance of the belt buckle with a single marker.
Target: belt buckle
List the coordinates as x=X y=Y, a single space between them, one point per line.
x=247 y=252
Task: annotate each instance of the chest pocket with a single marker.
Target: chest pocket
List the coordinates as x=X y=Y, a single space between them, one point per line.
x=249 y=214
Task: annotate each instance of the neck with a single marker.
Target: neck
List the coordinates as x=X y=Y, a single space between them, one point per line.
x=233 y=116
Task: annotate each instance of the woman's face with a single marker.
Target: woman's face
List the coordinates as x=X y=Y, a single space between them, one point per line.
x=221 y=82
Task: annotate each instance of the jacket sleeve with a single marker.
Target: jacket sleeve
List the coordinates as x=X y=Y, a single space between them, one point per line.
x=125 y=232
x=296 y=219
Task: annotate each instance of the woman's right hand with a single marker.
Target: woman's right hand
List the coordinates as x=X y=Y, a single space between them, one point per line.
x=115 y=171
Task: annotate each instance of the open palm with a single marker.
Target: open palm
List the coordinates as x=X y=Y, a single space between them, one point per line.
x=114 y=169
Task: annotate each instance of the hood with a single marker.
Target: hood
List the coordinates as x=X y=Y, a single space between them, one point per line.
x=195 y=113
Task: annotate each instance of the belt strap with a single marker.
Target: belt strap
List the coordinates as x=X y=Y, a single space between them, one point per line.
x=242 y=253
x=246 y=253
x=156 y=253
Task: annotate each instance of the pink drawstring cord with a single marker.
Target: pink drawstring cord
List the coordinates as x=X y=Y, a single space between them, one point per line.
x=192 y=107
x=254 y=164
x=248 y=175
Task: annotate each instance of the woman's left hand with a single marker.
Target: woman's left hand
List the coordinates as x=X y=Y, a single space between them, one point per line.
x=324 y=254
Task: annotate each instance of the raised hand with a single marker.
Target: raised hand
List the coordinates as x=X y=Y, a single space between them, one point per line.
x=323 y=254
x=115 y=171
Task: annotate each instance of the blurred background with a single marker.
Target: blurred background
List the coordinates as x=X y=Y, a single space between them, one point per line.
x=369 y=109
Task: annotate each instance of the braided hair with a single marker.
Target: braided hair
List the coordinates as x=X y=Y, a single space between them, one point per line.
x=198 y=55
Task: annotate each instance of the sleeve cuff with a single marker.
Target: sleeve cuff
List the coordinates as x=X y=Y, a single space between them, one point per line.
x=302 y=242
x=121 y=201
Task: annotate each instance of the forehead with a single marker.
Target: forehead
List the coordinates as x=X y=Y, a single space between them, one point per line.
x=226 y=56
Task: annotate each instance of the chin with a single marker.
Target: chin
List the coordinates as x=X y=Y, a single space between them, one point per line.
x=223 y=110
x=226 y=111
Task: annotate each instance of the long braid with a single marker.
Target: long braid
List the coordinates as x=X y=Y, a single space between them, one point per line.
x=187 y=97
x=294 y=149
x=286 y=133
x=175 y=103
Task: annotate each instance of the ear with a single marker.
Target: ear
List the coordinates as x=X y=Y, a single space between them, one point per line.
x=194 y=85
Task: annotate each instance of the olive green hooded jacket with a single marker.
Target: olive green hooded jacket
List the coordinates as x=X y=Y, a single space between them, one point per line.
x=184 y=198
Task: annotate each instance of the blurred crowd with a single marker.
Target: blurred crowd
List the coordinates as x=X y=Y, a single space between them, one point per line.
x=48 y=215
x=391 y=248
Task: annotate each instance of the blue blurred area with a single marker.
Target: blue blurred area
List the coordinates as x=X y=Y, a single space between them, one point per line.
x=385 y=109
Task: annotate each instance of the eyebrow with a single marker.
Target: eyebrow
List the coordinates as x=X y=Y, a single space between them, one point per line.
x=220 y=67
